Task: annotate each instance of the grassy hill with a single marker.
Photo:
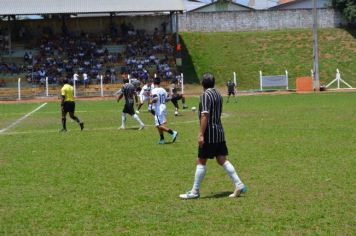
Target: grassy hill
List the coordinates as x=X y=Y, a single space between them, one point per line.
x=270 y=51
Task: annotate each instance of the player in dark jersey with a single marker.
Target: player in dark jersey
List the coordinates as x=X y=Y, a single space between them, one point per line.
x=129 y=92
x=68 y=106
x=176 y=96
x=231 y=89
x=211 y=139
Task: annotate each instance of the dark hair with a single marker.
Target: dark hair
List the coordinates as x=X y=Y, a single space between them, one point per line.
x=156 y=80
x=125 y=80
x=208 y=80
x=65 y=81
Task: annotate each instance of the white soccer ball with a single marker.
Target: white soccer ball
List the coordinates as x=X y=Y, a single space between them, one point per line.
x=194 y=108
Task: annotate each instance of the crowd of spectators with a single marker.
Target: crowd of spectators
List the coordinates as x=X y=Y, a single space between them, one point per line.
x=84 y=57
x=4 y=41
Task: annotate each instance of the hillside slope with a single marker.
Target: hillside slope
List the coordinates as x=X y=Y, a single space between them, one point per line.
x=247 y=53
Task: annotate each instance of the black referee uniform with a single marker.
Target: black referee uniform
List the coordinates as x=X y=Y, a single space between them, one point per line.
x=214 y=138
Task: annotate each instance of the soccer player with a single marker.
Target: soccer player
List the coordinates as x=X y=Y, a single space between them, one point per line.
x=231 y=89
x=68 y=105
x=211 y=140
x=129 y=92
x=158 y=100
x=175 y=96
x=145 y=94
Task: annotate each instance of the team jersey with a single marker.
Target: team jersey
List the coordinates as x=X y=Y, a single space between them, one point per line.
x=68 y=92
x=174 y=89
x=161 y=95
x=146 y=90
x=128 y=90
x=136 y=83
x=230 y=86
x=211 y=103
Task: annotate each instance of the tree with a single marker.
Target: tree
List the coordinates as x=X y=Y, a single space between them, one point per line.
x=347 y=9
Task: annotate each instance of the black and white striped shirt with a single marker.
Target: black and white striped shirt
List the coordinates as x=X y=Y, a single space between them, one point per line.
x=128 y=90
x=211 y=102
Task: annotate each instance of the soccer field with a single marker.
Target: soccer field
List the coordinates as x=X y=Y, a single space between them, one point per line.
x=296 y=153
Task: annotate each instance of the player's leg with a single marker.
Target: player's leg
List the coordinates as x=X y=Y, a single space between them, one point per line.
x=142 y=100
x=64 y=120
x=130 y=110
x=175 y=104
x=183 y=102
x=161 y=135
x=71 y=110
x=164 y=128
x=228 y=97
x=230 y=170
x=200 y=171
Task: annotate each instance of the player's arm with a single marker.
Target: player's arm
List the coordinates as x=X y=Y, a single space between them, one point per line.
x=203 y=124
x=62 y=98
x=119 y=97
x=153 y=99
x=204 y=118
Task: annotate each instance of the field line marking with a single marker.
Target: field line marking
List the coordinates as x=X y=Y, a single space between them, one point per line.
x=22 y=118
x=223 y=115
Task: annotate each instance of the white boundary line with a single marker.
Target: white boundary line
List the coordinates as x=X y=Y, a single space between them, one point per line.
x=223 y=115
x=22 y=118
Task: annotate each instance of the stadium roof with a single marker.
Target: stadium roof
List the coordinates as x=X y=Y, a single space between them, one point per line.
x=33 y=7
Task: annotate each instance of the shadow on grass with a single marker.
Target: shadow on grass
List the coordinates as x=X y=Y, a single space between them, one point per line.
x=190 y=75
x=351 y=31
x=218 y=195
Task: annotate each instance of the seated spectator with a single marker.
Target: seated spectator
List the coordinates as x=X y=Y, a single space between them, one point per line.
x=2 y=83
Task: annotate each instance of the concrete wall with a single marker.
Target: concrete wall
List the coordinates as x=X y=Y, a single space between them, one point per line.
x=256 y=20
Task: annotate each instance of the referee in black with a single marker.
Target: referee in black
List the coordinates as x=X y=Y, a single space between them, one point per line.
x=211 y=139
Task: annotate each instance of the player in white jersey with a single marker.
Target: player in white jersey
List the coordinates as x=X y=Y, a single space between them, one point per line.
x=158 y=100
x=145 y=94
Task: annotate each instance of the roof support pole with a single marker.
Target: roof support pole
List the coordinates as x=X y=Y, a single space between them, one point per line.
x=178 y=46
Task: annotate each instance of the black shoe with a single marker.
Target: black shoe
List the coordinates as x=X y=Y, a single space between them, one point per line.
x=62 y=131
x=81 y=125
x=185 y=106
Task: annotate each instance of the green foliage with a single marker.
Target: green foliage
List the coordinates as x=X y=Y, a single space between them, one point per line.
x=295 y=152
x=273 y=52
x=347 y=8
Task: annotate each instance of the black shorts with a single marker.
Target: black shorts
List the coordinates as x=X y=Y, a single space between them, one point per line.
x=69 y=106
x=211 y=150
x=231 y=93
x=175 y=98
x=129 y=109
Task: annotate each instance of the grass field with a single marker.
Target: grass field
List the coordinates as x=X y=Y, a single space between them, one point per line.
x=273 y=52
x=296 y=153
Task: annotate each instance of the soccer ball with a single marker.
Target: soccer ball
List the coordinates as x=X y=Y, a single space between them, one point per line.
x=194 y=108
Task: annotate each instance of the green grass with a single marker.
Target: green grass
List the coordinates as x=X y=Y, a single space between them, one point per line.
x=273 y=52
x=296 y=153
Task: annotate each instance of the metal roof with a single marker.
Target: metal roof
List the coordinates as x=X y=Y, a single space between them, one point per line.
x=32 y=7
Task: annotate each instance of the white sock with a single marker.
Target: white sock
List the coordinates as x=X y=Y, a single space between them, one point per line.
x=230 y=170
x=199 y=176
x=136 y=117
x=123 y=119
